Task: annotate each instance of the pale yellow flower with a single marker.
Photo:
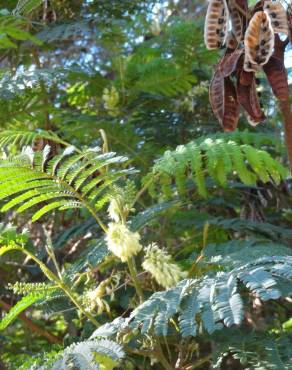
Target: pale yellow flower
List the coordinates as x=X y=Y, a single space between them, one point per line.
x=159 y=263
x=122 y=242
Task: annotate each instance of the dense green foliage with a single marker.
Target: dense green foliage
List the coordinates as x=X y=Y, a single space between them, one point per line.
x=134 y=234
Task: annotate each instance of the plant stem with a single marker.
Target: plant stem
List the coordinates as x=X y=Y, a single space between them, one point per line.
x=145 y=187
x=51 y=276
x=92 y=211
x=160 y=356
x=70 y=294
x=105 y=147
x=133 y=273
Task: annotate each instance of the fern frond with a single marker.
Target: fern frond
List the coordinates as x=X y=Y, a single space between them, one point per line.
x=235 y=252
x=159 y=76
x=24 y=138
x=218 y=158
x=63 y=182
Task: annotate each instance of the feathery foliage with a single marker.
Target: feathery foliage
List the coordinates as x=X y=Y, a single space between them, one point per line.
x=217 y=158
x=66 y=181
x=215 y=300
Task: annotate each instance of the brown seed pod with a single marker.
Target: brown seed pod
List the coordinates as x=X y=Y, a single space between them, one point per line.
x=231 y=42
x=231 y=106
x=289 y=17
x=223 y=99
x=237 y=20
x=248 y=98
x=277 y=77
x=246 y=78
x=278 y=16
x=229 y=62
x=276 y=72
x=249 y=66
x=216 y=24
x=259 y=39
x=216 y=95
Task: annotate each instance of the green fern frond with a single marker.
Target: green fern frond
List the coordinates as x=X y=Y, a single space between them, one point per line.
x=218 y=158
x=24 y=138
x=256 y=228
x=66 y=181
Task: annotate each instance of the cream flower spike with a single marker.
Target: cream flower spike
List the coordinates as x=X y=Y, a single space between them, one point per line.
x=122 y=242
x=159 y=263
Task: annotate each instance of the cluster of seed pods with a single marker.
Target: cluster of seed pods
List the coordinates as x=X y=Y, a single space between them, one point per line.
x=254 y=40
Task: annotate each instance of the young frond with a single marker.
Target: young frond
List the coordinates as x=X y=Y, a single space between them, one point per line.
x=66 y=181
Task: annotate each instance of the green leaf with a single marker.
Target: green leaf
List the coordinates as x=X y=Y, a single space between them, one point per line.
x=20 y=306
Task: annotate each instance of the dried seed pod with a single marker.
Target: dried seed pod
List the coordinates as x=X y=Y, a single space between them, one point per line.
x=276 y=72
x=237 y=20
x=223 y=99
x=231 y=106
x=216 y=95
x=278 y=16
x=248 y=98
x=289 y=17
x=229 y=62
x=231 y=42
x=246 y=78
x=216 y=24
x=259 y=39
x=249 y=66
